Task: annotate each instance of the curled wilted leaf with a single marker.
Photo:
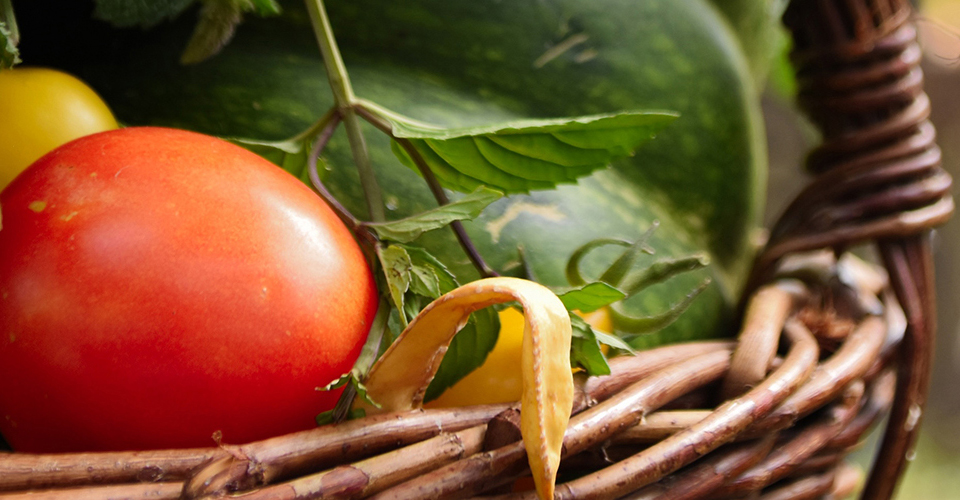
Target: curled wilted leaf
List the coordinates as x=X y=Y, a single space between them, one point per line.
x=400 y=378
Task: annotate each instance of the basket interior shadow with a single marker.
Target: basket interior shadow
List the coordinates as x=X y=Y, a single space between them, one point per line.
x=828 y=346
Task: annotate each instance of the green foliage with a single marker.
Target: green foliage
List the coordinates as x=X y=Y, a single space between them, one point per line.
x=9 y=36
x=414 y=277
x=141 y=13
x=218 y=22
x=215 y=28
x=520 y=156
x=591 y=297
x=410 y=228
x=9 y=55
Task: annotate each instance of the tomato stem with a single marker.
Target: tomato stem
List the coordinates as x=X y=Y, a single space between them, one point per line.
x=345 y=100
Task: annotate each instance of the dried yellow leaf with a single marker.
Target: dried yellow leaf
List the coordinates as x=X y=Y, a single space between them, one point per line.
x=400 y=378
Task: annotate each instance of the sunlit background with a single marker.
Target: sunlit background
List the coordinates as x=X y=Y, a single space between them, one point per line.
x=935 y=472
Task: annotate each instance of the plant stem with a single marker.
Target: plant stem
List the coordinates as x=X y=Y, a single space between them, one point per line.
x=462 y=237
x=345 y=100
x=312 y=164
x=370 y=113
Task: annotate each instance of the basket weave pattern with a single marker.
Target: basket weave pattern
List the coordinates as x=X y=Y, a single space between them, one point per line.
x=827 y=346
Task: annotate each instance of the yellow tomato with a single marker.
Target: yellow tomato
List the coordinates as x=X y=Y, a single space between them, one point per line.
x=41 y=109
x=498 y=378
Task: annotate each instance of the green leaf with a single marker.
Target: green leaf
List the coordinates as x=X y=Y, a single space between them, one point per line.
x=424 y=281
x=620 y=267
x=410 y=228
x=572 y=269
x=218 y=23
x=353 y=380
x=291 y=155
x=328 y=416
x=663 y=270
x=142 y=13
x=396 y=269
x=467 y=351
x=613 y=341
x=649 y=324
x=591 y=297
x=524 y=155
x=424 y=260
x=585 y=348
x=9 y=54
x=266 y=7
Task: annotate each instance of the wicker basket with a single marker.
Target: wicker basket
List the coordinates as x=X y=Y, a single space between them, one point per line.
x=828 y=344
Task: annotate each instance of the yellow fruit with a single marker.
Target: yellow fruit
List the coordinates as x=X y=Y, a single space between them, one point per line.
x=41 y=109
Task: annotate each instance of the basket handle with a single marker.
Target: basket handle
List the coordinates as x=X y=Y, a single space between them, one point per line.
x=877 y=178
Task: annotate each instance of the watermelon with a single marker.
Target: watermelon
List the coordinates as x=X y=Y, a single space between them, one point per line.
x=462 y=63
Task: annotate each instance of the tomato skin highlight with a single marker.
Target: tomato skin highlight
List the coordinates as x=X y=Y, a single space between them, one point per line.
x=158 y=285
x=41 y=109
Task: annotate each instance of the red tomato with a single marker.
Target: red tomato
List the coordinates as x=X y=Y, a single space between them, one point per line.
x=158 y=285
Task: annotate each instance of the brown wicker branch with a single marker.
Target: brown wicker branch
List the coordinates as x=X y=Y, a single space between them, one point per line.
x=25 y=471
x=625 y=370
x=708 y=474
x=759 y=337
x=145 y=491
x=371 y=476
x=878 y=401
x=264 y=462
x=798 y=448
x=722 y=426
x=910 y=265
x=850 y=362
x=490 y=469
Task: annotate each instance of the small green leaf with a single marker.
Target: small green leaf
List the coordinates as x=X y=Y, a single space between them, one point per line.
x=591 y=297
x=353 y=380
x=424 y=281
x=520 y=156
x=9 y=54
x=266 y=7
x=613 y=341
x=585 y=348
x=218 y=22
x=649 y=324
x=572 y=271
x=291 y=155
x=410 y=228
x=467 y=351
x=328 y=416
x=142 y=13
x=396 y=269
x=421 y=258
x=620 y=267
x=663 y=270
